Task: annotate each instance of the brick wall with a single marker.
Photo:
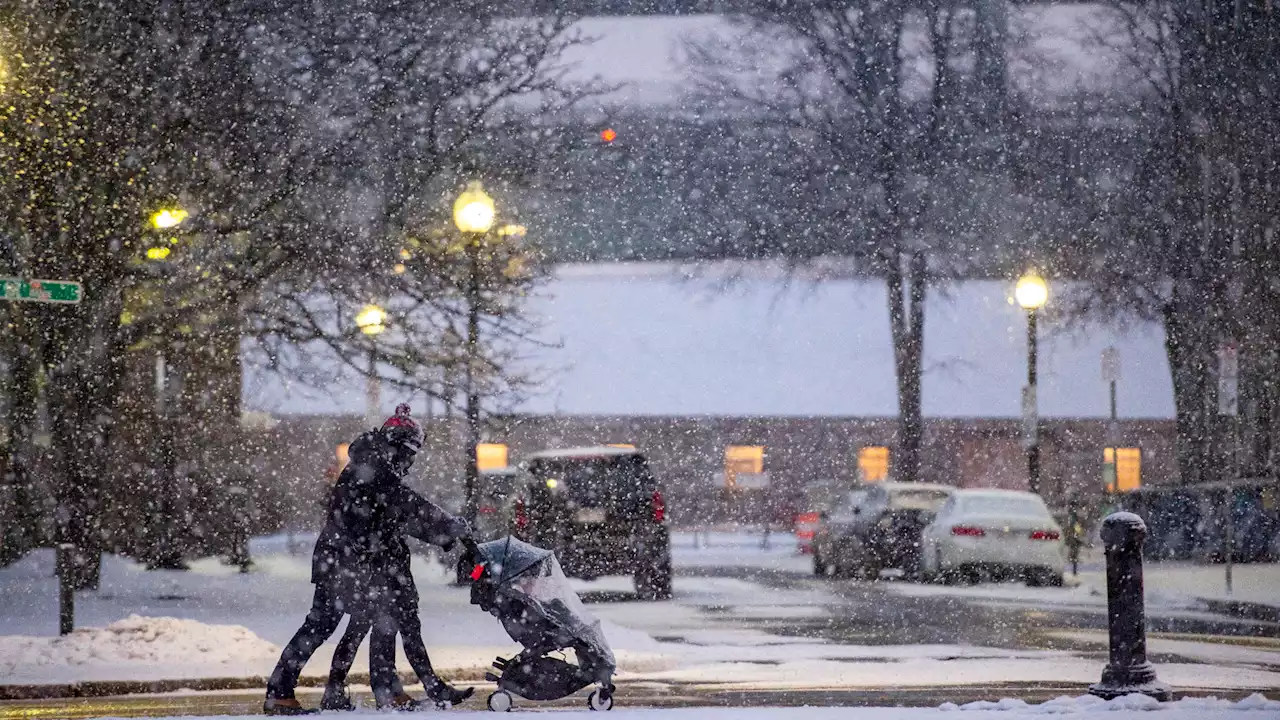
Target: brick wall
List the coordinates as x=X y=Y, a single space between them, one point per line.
x=687 y=452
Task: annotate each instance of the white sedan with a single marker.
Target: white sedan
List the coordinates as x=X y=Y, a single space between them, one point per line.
x=1001 y=534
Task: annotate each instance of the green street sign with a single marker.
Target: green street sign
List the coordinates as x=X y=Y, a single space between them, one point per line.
x=45 y=291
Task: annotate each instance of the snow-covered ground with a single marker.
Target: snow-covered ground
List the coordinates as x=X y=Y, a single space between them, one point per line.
x=745 y=548
x=1250 y=582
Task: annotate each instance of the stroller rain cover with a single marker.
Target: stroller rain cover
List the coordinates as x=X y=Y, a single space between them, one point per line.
x=537 y=606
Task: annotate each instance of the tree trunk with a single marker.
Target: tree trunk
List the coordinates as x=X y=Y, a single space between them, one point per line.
x=906 y=283
x=20 y=520
x=1191 y=357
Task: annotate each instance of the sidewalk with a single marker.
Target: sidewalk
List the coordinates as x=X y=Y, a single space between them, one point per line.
x=1253 y=583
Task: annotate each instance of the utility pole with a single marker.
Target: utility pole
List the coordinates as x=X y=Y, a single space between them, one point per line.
x=1228 y=405
x=473 y=395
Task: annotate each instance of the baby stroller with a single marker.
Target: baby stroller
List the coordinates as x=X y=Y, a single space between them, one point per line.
x=524 y=587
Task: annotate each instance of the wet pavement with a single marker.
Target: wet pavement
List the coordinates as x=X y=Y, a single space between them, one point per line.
x=873 y=613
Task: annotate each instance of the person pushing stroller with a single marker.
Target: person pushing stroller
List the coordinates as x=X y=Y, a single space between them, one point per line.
x=360 y=567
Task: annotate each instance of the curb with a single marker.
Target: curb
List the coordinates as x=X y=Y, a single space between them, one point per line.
x=1243 y=609
x=647 y=693
x=108 y=688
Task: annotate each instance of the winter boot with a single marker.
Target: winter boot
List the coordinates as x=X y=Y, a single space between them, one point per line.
x=285 y=706
x=446 y=696
x=336 y=698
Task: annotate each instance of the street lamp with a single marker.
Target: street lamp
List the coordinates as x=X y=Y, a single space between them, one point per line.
x=1031 y=293
x=165 y=219
x=372 y=320
x=473 y=213
x=168 y=218
x=167 y=555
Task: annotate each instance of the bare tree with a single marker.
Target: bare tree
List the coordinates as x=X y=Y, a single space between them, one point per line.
x=840 y=80
x=264 y=120
x=1194 y=228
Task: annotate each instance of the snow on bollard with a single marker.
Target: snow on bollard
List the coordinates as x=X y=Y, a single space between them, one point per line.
x=1128 y=670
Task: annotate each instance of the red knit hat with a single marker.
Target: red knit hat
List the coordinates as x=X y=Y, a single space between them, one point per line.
x=401 y=429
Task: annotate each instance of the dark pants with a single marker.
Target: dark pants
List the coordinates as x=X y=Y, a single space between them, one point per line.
x=322 y=620
x=398 y=615
x=382 y=659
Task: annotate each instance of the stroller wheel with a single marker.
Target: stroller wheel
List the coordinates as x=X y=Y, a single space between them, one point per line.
x=600 y=699
x=500 y=701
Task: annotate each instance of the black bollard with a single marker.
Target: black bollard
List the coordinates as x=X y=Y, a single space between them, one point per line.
x=1128 y=671
x=65 y=561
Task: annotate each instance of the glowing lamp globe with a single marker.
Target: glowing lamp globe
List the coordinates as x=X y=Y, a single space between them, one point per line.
x=371 y=320
x=1031 y=292
x=168 y=218
x=473 y=211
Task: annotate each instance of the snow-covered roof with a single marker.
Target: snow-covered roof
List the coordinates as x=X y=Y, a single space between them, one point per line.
x=1053 y=53
x=649 y=339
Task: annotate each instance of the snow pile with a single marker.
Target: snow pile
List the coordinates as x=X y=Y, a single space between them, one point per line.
x=1089 y=704
x=137 y=647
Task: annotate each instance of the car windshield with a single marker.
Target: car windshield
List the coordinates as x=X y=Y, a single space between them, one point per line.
x=851 y=501
x=917 y=499
x=1018 y=505
x=591 y=481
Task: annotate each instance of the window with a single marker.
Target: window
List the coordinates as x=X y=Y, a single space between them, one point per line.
x=742 y=459
x=490 y=456
x=1122 y=469
x=873 y=463
x=1006 y=505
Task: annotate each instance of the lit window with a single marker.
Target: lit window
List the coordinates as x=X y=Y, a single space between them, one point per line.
x=1122 y=469
x=873 y=463
x=742 y=459
x=491 y=456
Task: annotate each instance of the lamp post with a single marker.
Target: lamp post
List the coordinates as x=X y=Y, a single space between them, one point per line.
x=1031 y=293
x=166 y=556
x=372 y=320
x=473 y=213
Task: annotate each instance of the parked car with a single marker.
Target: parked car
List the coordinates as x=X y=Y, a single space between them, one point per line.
x=601 y=511
x=876 y=527
x=816 y=496
x=1000 y=534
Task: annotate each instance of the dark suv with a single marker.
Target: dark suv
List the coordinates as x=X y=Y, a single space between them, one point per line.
x=601 y=511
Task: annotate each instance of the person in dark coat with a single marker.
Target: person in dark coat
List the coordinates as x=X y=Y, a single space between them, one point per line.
x=397 y=611
x=355 y=565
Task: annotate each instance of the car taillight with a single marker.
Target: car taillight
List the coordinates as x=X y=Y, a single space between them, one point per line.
x=968 y=531
x=487 y=510
x=1044 y=535
x=659 y=507
x=522 y=518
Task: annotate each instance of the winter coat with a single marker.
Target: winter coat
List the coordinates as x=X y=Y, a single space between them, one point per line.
x=361 y=553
